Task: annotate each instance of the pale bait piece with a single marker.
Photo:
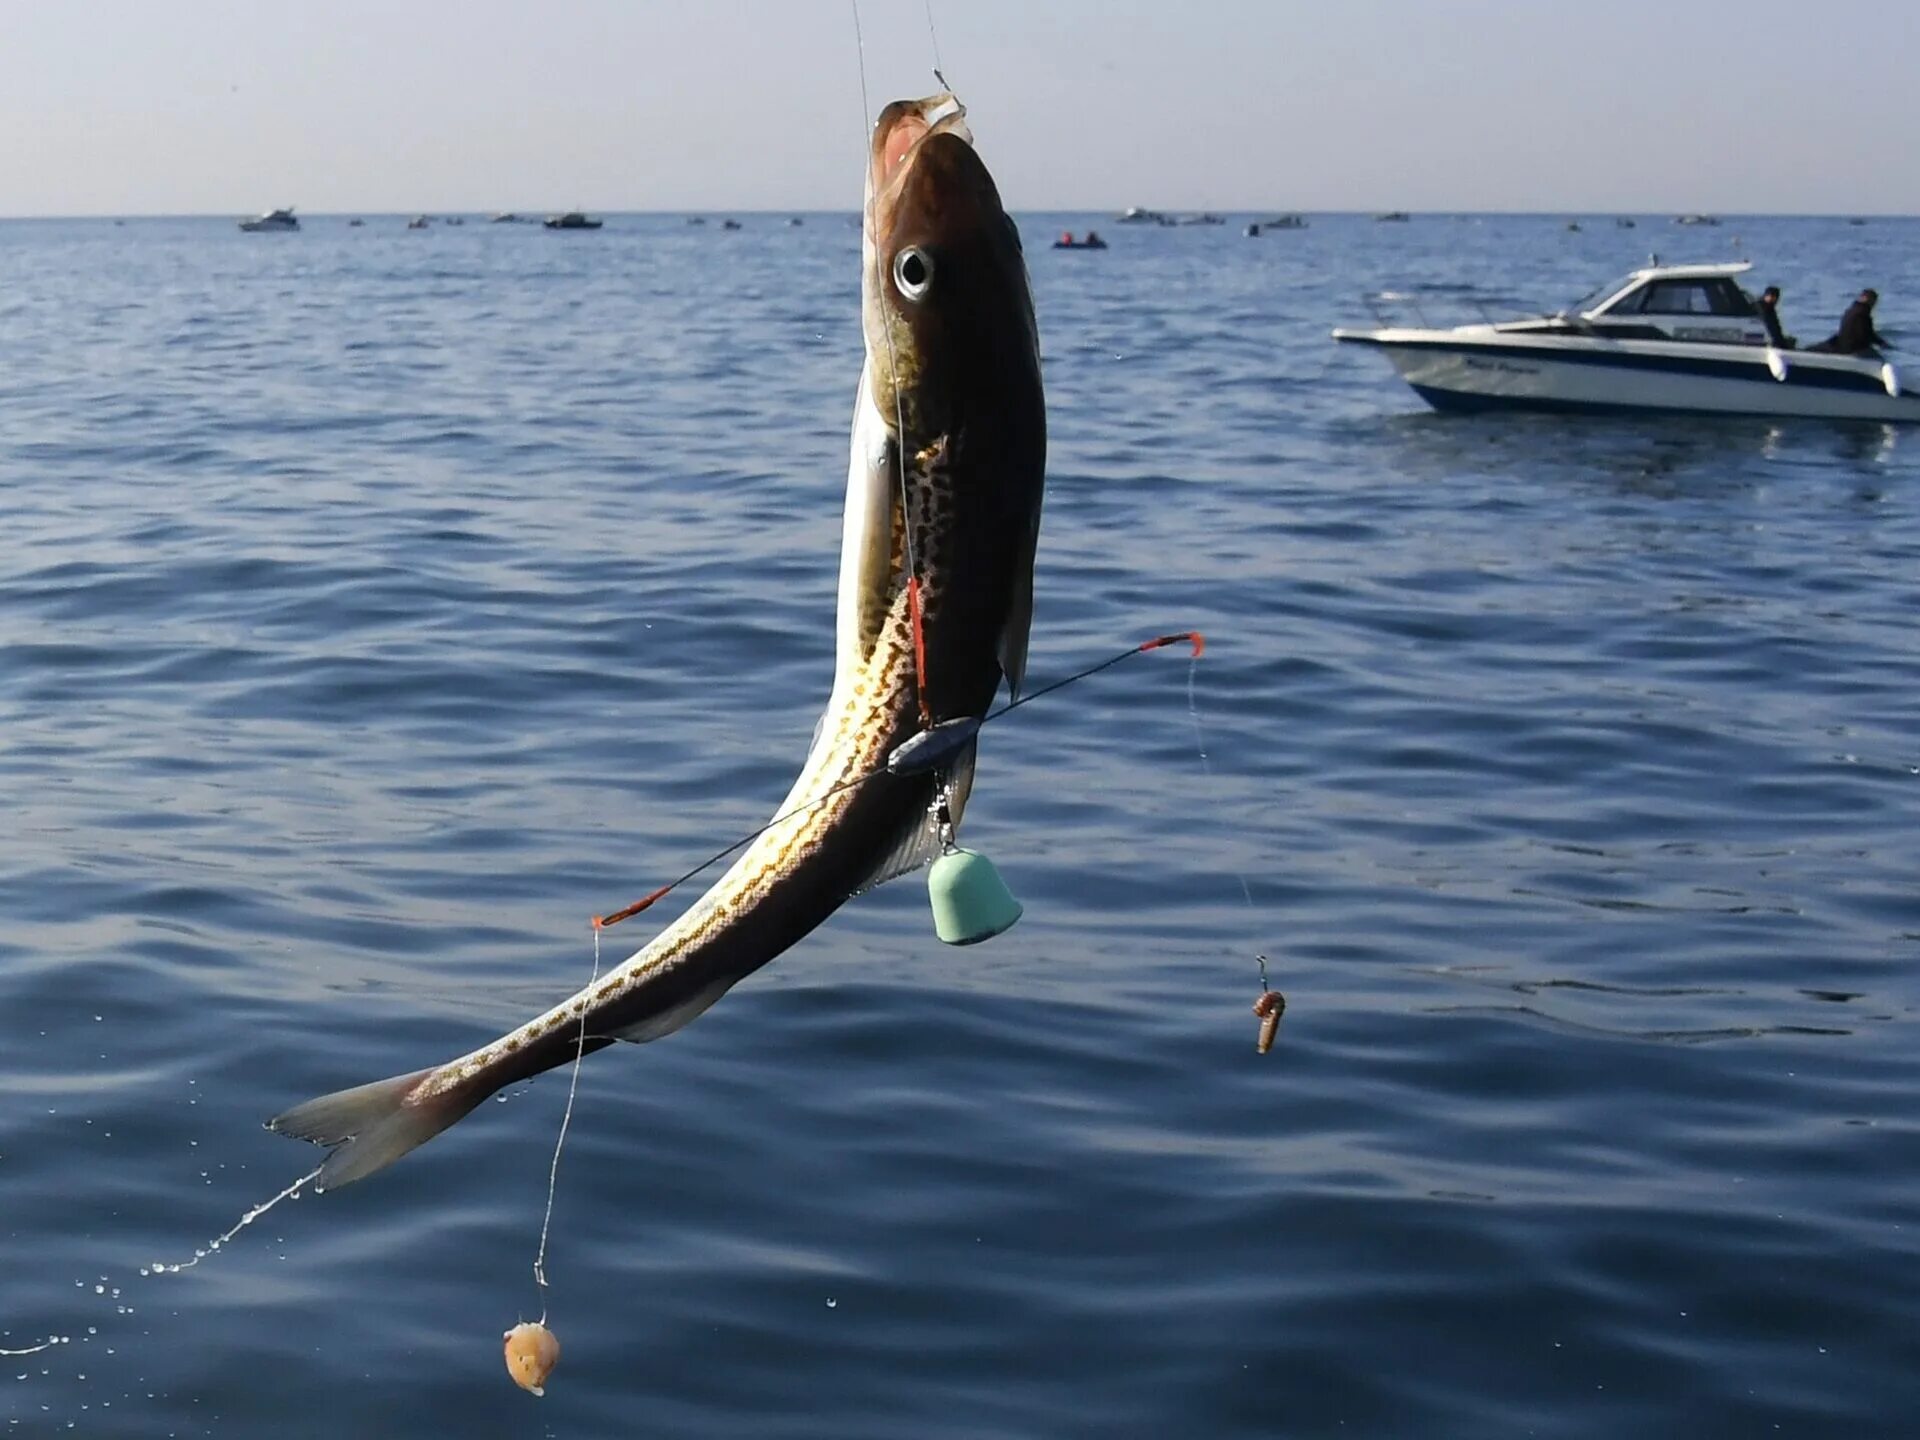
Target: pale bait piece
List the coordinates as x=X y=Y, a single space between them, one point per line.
x=532 y=1352
x=1269 y=1007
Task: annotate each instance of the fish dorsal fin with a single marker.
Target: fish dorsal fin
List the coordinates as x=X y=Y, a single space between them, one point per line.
x=917 y=844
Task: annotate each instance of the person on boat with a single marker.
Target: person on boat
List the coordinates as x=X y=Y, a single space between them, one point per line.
x=1856 y=335
x=1770 y=317
x=1094 y=241
x=1066 y=237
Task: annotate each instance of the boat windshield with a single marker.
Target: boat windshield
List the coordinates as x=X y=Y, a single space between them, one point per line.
x=1605 y=292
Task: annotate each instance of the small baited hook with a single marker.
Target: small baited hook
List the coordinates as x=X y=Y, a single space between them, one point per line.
x=1269 y=1007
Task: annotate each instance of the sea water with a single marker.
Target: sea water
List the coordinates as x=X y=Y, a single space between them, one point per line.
x=376 y=606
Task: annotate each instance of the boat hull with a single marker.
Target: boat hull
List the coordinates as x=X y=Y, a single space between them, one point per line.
x=1452 y=371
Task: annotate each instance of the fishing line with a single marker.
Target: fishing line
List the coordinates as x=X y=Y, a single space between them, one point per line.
x=935 y=38
x=566 y=1119
x=1271 y=1004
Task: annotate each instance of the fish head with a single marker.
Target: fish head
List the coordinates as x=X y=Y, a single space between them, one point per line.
x=945 y=296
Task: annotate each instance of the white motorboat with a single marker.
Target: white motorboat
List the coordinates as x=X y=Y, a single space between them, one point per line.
x=271 y=220
x=1682 y=338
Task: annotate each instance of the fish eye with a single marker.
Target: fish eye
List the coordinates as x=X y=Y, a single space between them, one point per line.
x=912 y=272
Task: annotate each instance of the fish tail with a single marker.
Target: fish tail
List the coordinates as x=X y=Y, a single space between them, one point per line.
x=371 y=1126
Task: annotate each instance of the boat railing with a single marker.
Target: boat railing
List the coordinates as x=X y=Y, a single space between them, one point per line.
x=1388 y=308
x=1393 y=307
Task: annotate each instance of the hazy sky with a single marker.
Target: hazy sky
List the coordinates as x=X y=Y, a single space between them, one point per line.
x=226 y=106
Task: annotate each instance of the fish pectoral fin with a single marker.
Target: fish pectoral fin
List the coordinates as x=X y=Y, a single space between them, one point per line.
x=918 y=842
x=664 y=1022
x=371 y=1126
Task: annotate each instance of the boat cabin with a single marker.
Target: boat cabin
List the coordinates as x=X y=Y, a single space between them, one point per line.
x=1672 y=302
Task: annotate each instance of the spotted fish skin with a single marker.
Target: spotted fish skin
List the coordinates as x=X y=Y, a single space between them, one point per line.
x=945 y=481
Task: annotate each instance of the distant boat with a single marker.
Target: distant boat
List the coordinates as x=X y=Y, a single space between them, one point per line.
x=509 y=217
x=795 y=220
x=1672 y=338
x=356 y=221
x=1695 y=220
x=1623 y=222
x=729 y=224
x=1856 y=221
x=1574 y=226
x=696 y=219
x=1205 y=217
x=1091 y=242
x=1136 y=215
x=271 y=221
x=1392 y=216
x=454 y=220
x=572 y=220
x=419 y=222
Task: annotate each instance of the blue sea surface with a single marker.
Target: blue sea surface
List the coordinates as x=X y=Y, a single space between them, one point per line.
x=376 y=606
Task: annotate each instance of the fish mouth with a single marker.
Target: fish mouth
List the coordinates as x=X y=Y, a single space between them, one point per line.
x=900 y=136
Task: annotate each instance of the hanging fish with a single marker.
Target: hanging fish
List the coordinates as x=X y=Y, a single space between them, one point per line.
x=935 y=597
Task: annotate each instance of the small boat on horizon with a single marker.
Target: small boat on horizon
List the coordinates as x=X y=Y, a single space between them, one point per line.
x=1392 y=217
x=271 y=221
x=571 y=220
x=419 y=222
x=1139 y=215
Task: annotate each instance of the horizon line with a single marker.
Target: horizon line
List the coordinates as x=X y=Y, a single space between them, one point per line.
x=1176 y=211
